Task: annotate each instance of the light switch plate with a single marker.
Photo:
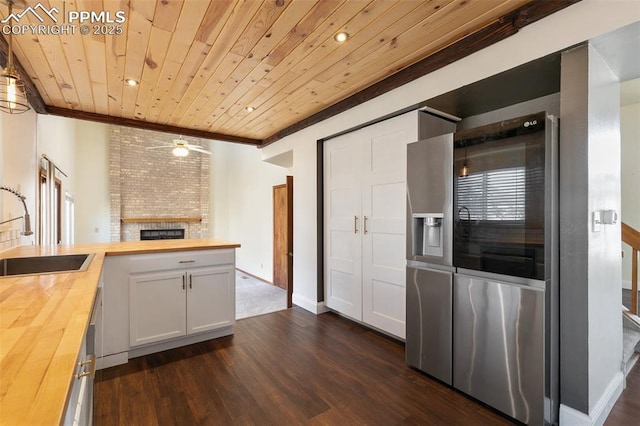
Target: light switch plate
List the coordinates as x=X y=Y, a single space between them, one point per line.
x=609 y=217
x=596 y=221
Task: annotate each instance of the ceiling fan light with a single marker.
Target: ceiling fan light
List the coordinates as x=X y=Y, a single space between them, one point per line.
x=180 y=151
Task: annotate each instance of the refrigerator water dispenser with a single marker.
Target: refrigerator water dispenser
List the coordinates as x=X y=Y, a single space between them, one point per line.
x=427 y=234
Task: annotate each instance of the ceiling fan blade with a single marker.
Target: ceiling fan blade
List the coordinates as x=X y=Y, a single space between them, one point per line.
x=156 y=147
x=198 y=149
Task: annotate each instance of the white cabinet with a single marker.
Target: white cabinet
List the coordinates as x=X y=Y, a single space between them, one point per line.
x=169 y=304
x=365 y=222
x=172 y=304
x=158 y=301
x=211 y=296
x=115 y=338
x=157 y=307
x=79 y=407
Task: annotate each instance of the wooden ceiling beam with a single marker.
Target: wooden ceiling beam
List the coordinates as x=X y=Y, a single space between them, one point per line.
x=139 y=124
x=33 y=95
x=499 y=30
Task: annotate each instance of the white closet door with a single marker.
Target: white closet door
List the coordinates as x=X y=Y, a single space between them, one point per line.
x=343 y=225
x=383 y=244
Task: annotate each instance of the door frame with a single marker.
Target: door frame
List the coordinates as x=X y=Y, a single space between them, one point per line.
x=289 y=186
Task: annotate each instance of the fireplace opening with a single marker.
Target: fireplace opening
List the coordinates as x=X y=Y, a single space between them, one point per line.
x=161 y=234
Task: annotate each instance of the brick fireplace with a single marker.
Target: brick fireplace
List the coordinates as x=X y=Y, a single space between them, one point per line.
x=152 y=189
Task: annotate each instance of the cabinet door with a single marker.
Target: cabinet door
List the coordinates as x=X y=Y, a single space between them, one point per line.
x=116 y=305
x=343 y=225
x=79 y=406
x=384 y=225
x=157 y=307
x=211 y=298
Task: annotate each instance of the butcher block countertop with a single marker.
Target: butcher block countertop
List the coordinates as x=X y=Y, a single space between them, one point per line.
x=43 y=320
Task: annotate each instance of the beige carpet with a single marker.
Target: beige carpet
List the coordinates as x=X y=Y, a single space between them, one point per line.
x=255 y=297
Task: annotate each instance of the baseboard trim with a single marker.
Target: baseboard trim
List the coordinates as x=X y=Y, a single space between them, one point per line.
x=628 y=366
x=179 y=342
x=572 y=417
x=112 y=360
x=254 y=276
x=308 y=304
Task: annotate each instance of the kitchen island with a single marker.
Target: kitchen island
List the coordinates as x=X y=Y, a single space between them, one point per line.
x=44 y=318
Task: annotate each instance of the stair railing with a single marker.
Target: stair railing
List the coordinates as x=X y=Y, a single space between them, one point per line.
x=631 y=237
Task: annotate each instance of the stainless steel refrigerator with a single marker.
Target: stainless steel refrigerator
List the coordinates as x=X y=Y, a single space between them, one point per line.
x=429 y=251
x=505 y=289
x=482 y=269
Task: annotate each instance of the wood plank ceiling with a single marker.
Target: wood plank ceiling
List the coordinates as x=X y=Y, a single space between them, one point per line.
x=200 y=63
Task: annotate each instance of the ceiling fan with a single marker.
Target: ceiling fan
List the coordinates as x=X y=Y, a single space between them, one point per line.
x=181 y=148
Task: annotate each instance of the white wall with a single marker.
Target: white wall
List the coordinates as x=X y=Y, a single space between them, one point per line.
x=56 y=138
x=242 y=206
x=605 y=319
x=219 y=187
x=563 y=29
x=630 y=135
x=19 y=168
x=92 y=199
x=25 y=138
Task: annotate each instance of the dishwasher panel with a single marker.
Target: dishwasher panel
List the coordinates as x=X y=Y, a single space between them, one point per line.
x=499 y=346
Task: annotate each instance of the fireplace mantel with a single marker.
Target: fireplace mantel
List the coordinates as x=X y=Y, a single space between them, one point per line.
x=159 y=219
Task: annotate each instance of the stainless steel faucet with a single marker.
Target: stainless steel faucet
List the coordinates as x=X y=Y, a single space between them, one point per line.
x=26 y=223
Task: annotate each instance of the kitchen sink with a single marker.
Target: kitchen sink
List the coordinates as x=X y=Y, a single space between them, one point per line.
x=44 y=264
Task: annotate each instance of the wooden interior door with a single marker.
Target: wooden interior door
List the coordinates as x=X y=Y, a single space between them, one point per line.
x=283 y=237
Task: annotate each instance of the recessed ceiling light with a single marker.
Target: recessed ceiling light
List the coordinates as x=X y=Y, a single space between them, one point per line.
x=131 y=82
x=249 y=109
x=341 y=37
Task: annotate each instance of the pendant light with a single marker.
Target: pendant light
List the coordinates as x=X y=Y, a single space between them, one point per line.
x=465 y=170
x=13 y=98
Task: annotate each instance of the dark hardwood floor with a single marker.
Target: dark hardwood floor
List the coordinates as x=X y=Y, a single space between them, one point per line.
x=293 y=367
x=626 y=412
x=288 y=367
